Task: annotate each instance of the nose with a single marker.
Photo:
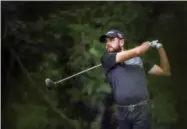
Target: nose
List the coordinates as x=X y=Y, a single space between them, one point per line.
x=108 y=42
x=108 y=45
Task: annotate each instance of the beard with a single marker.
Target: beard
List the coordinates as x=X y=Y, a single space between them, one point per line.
x=114 y=50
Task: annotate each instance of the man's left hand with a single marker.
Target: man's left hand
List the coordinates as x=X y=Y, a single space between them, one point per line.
x=156 y=44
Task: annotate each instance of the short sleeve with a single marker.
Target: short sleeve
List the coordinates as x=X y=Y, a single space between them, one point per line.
x=147 y=65
x=108 y=61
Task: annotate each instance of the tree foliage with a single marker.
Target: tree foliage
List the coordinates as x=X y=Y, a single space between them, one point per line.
x=56 y=40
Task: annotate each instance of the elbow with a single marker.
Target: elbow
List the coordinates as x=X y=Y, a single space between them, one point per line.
x=168 y=73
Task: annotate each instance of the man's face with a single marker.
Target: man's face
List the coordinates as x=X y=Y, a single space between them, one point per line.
x=113 y=44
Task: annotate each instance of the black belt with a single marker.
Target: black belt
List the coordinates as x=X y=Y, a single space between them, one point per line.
x=133 y=106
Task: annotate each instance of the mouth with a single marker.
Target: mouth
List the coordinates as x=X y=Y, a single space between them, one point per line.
x=109 y=47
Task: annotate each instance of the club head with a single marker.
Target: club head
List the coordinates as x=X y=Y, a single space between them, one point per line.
x=49 y=83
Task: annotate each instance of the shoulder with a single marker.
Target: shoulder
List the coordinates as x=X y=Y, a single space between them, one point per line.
x=104 y=55
x=107 y=56
x=108 y=60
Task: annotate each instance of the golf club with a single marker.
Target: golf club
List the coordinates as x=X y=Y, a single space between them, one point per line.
x=50 y=83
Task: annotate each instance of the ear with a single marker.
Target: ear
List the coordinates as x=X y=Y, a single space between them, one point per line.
x=121 y=42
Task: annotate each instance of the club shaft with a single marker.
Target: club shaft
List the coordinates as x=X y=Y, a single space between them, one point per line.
x=78 y=73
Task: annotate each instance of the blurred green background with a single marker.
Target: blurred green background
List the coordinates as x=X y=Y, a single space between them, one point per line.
x=57 y=39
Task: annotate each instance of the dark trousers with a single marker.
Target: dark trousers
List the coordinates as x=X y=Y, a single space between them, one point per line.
x=137 y=118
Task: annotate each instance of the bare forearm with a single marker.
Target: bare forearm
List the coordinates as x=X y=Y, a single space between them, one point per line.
x=164 y=63
x=144 y=47
x=125 y=55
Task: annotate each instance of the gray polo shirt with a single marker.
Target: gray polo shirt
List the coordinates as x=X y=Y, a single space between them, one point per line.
x=127 y=79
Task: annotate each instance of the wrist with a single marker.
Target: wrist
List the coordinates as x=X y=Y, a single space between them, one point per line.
x=149 y=44
x=141 y=49
x=159 y=45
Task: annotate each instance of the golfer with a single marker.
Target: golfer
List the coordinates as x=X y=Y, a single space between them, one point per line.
x=126 y=73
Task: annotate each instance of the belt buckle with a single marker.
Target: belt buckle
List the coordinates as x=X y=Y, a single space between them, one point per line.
x=131 y=108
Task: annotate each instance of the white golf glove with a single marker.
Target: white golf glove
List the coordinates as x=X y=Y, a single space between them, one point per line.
x=156 y=44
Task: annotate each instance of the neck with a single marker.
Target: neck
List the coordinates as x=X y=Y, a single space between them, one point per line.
x=122 y=49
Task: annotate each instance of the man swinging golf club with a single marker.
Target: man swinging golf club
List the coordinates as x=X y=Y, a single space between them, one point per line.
x=126 y=73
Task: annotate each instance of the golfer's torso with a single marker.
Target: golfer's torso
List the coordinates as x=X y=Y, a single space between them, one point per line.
x=129 y=82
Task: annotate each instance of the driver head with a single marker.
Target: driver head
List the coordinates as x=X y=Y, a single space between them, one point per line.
x=49 y=83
